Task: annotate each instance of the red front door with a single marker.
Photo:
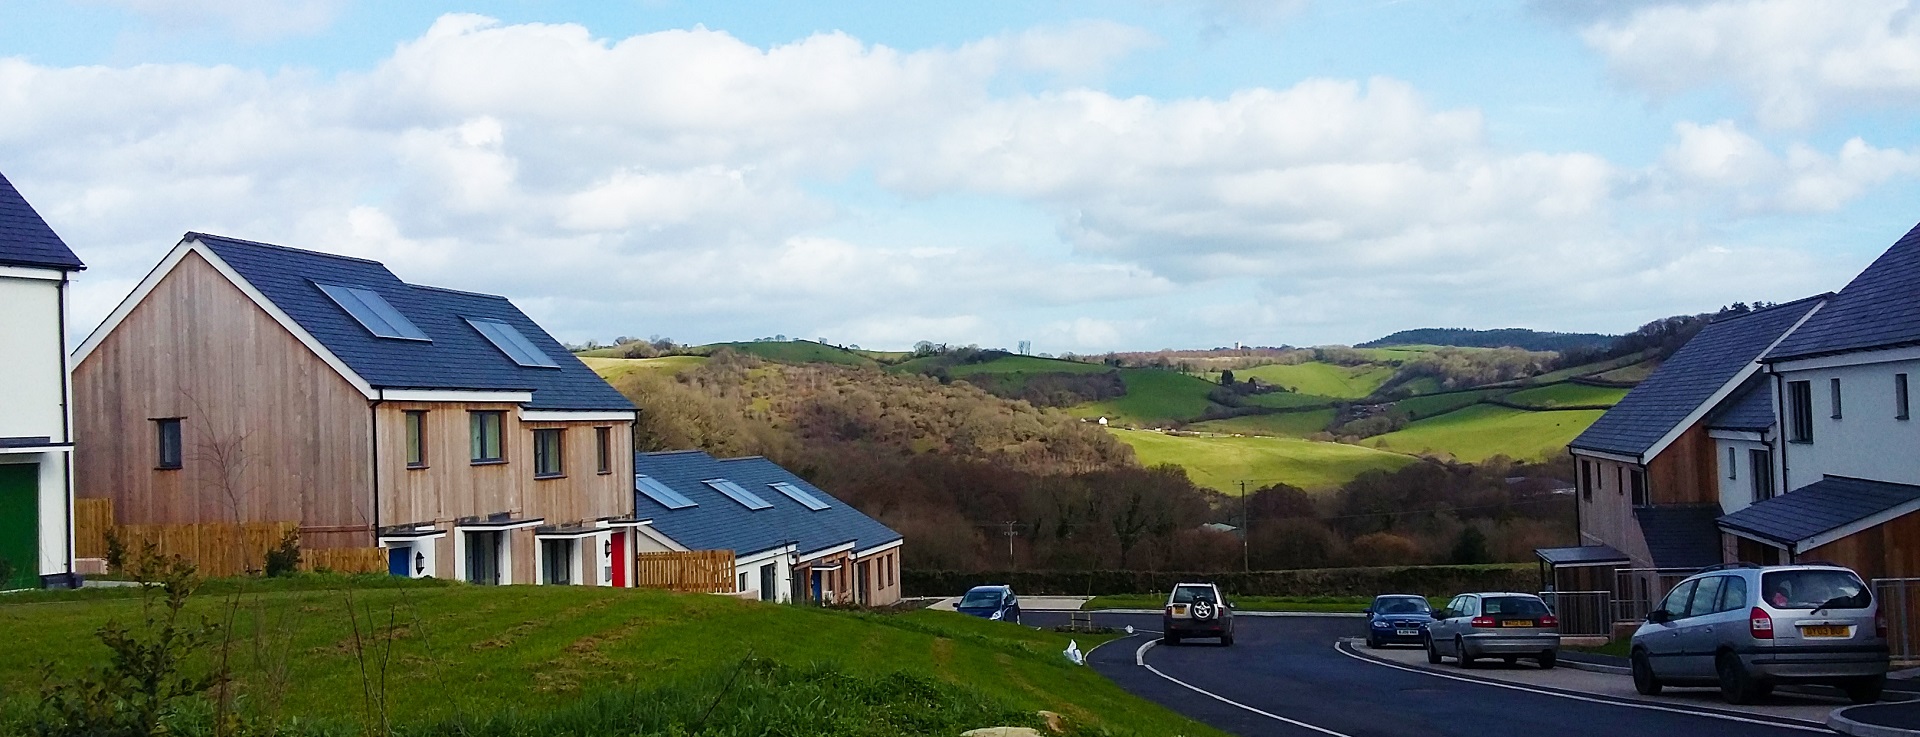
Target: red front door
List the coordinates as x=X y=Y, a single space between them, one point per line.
x=620 y=559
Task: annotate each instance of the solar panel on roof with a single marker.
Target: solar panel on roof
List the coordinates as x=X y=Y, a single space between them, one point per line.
x=799 y=495
x=508 y=339
x=733 y=491
x=660 y=492
x=372 y=312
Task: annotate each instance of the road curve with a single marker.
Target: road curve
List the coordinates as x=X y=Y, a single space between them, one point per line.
x=1285 y=677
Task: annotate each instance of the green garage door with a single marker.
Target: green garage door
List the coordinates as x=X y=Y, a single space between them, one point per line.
x=20 y=524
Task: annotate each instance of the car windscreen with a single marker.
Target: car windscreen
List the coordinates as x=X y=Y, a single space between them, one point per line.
x=1812 y=589
x=987 y=598
x=1400 y=605
x=1513 y=606
x=1191 y=594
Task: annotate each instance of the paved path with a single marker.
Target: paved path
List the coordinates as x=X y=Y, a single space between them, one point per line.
x=1292 y=677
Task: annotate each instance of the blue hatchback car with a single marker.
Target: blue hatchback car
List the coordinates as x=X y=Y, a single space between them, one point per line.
x=991 y=602
x=1398 y=619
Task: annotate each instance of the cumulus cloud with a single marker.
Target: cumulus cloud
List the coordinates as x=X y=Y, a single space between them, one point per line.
x=1724 y=163
x=1792 y=59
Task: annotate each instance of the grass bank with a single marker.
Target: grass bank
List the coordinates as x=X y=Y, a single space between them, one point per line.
x=1220 y=462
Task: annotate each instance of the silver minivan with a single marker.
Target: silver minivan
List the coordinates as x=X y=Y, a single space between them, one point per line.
x=1502 y=625
x=1746 y=628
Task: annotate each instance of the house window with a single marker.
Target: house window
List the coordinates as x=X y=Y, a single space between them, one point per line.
x=1586 y=480
x=1639 y=478
x=769 y=585
x=556 y=562
x=1620 y=479
x=483 y=558
x=416 y=438
x=603 y=449
x=169 y=442
x=1733 y=469
x=1799 y=411
x=486 y=436
x=547 y=454
x=742 y=585
x=1833 y=388
x=1760 y=464
x=1900 y=396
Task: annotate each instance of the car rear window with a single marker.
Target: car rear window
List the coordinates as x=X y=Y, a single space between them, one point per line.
x=1400 y=605
x=1513 y=606
x=1812 y=589
x=1191 y=594
x=981 y=598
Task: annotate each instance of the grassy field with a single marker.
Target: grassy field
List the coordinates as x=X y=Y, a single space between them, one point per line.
x=1287 y=400
x=1154 y=398
x=1324 y=604
x=613 y=368
x=498 y=655
x=1635 y=373
x=1483 y=431
x=1567 y=395
x=1029 y=365
x=1221 y=462
x=1423 y=407
x=793 y=351
x=1323 y=379
x=1285 y=425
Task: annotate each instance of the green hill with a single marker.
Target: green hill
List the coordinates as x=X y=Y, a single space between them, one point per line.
x=1284 y=424
x=1221 y=462
x=1567 y=395
x=1532 y=340
x=613 y=368
x=587 y=660
x=1422 y=407
x=1323 y=379
x=792 y=351
x=1153 y=398
x=1482 y=431
x=1028 y=365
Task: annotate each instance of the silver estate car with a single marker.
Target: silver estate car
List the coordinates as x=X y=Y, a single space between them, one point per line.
x=1746 y=628
x=1503 y=625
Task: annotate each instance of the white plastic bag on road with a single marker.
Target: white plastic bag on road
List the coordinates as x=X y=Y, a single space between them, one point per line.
x=1073 y=653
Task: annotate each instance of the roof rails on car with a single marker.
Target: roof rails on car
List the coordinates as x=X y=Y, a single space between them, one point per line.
x=1730 y=566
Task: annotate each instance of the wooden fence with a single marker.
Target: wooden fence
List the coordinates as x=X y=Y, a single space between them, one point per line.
x=344 y=560
x=214 y=548
x=695 y=572
x=92 y=519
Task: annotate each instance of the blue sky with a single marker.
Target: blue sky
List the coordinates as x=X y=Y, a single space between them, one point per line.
x=1090 y=176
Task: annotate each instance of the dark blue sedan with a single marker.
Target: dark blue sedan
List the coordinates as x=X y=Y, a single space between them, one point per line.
x=991 y=602
x=1398 y=619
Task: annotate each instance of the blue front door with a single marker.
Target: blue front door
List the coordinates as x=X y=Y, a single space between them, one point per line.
x=400 y=561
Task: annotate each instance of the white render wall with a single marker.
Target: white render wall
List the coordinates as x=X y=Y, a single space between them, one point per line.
x=32 y=358
x=1867 y=441
x=1736 y=484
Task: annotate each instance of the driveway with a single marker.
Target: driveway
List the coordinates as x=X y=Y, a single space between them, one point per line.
x=1294 y=676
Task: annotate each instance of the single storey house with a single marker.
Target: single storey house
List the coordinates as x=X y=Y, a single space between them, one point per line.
x=36 y=425
x=244 y=382
x=790 y=540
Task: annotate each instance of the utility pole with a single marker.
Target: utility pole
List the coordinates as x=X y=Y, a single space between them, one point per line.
x=1246 y=532
x=1011 y=533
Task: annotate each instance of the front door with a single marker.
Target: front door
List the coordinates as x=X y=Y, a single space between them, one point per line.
x=400 y=560
x=620 y=559
x=19 y=525
x=483 y=558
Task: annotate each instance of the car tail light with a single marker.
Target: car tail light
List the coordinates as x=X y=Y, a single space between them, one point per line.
x=1759 y=624
x=1549 y=621
x=1483 y=622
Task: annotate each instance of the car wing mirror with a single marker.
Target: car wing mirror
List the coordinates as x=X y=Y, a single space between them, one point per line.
x=1659 y=616
x=1368 y=612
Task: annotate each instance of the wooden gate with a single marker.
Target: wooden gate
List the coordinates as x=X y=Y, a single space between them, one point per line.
x=694 y=572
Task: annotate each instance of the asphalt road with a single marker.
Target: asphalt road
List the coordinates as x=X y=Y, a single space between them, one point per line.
x=1285 y=676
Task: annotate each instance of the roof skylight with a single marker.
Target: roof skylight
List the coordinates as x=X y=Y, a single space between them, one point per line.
x=799 y=495
x=508 y=339
x=373 y=313
x=660 y=492
x=733 y=491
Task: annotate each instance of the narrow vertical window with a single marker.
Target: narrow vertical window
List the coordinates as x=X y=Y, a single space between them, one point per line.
x=547 y=450
x=1586 y=480
x=486 y=437
x=1639 y=478
x=1760 y=463
x=1733 y=466
x=168 y=431
x=603 y=449
x=1800 y=411
x=1833 y=388
x=1900 y=397
x=416 y=438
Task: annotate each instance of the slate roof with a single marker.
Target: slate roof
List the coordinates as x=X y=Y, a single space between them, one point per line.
x=1584 y=554
x=1689 y=378
x=1680 y=536
x=26 y=239
x=720 y=523
x=1822 y=506
x=1880 y=308
x=458 y=357
x=1750 y=409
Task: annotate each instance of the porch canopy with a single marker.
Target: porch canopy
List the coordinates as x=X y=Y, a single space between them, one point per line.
x=1581 y=556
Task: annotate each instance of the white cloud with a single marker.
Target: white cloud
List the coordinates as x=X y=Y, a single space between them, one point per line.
x=1793 y=59
x=1720 y=162
x=249 y=20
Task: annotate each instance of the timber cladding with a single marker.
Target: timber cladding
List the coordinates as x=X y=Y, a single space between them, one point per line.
x=449 y=485
x=1686 y=472
x=692 y=572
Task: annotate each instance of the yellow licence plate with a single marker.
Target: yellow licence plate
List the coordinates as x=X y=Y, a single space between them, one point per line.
x=1517 y=623
x=1823 y=630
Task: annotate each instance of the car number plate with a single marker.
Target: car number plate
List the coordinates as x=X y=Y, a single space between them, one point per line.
x=1517 y=623
x=1823 y=630
x=1406 y=633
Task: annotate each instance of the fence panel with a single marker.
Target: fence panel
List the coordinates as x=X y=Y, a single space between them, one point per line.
x=345 y=560
x=694 y=572
x=92 y=520
x=1900 y=603
x=1636 y=590
x=215 y=549
x=1582 y=613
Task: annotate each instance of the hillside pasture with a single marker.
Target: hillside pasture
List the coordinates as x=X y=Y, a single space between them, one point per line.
x=792 y=351
x=1154 y=398
x=1282 y=424
x=1482 y=431
x=1322 y=379
x=1220 y=463
x=1028 y=365
x=1567 y=395
x=614 y=368
x=1422 y=407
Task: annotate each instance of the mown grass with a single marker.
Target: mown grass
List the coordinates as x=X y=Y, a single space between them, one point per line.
x=1284 y=424
x=1483 y=431
x=1322 y=379
x=532 y=660
x=1317 y=604
x=1567 y=395
x=614 y=368
x=1222 y=462
x=1153 y=398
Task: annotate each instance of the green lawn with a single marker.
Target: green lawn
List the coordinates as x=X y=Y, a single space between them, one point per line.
x=1154 y=397
x=1483 y=431
x=613 y=368
x=1567 y=395
x=480 y=652
x=1324 y=604
x=793 y=351
x=1323 y=379
x=1222 y=462
x=1285 y=424
x=1418 y=408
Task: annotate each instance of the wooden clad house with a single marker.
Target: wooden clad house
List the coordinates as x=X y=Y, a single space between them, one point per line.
x=36 y=438
x=243 y=382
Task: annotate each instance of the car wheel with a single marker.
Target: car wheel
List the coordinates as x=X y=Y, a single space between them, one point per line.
x=1643 y=679
x=1864 y=690
x=1548 y=660
x=1433 y=652
x=1372 y=644
x=1170 y=639
x=1737 y=686
x=1460 y=653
